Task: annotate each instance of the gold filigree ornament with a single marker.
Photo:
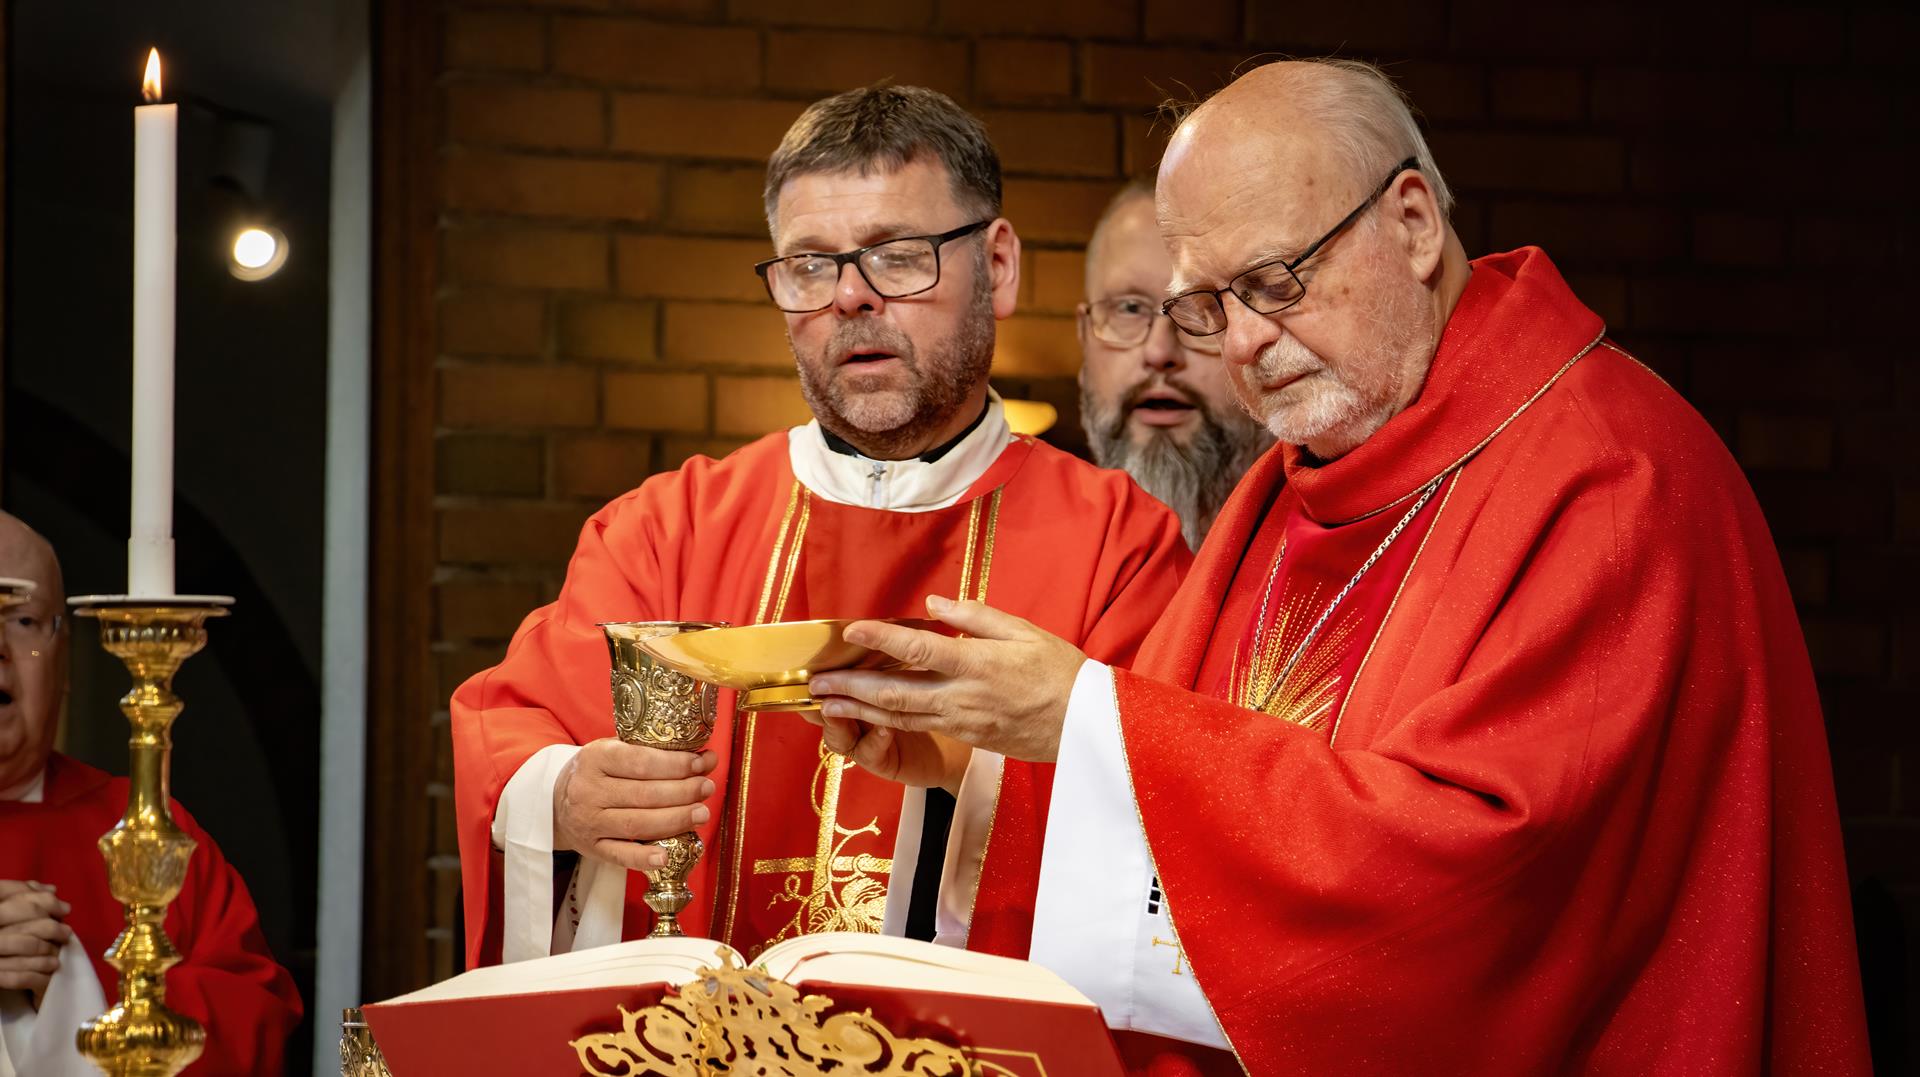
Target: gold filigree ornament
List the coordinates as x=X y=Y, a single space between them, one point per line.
x=742 y=1021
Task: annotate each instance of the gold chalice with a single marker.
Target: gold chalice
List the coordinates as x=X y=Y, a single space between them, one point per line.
x=660 y=707
x=771 y=664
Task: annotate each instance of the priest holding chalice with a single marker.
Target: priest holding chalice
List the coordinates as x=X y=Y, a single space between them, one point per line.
x=892 y=263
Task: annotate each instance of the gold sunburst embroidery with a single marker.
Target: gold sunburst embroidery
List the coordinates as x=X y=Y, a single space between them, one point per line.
x=1311 y=691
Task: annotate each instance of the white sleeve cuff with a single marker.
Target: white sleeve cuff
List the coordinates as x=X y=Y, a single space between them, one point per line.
x=1100 y=920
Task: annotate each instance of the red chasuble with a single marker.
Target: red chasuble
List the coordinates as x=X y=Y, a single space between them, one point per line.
x=226 y=978
x=1549 y=792
x=807 y=841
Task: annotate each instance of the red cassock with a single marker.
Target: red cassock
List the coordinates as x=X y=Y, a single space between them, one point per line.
x=1548 y=792
x=226 y=978
x=808 y=840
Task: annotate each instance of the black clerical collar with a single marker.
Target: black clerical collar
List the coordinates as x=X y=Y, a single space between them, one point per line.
x=844 y=448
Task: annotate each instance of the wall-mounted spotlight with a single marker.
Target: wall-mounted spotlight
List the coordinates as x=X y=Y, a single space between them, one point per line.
x=257 y=252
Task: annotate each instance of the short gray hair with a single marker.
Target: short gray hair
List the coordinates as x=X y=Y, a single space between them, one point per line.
x=1370 y=120
x=886 y=127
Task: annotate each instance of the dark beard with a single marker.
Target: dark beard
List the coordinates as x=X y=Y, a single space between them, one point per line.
x=1193 y=480
x=938 y=385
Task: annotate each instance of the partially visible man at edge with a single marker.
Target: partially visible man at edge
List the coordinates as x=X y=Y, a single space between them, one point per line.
x=57 y=916
x=892 y=265
x=1155 y=402
x=1482 y=737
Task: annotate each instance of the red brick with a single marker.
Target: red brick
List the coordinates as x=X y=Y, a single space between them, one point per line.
x=1753 y=305
x=453 y=665
x=1740 y=372
x=685 y=9
x=1054 y=143
x=1846 y=647
x=477 y=608
x=1847 y=105
x=608 y=329
x=827 y=62
x=1443 y=91
x=1358 y=28
x=1020 y=71
x=1743 y=239
x=1885 y=33
x=1684 y=101
x=1864 y=781
x=551 y=186
x=494 y=41
x=1145 y=141
x=1796 y=35
x=1809 y=574
x=1577 y=232
x=537 y=117
x=1058 y=281
x=493 y=323
x=1036 y=346
x=1560 y=164
x=850 y=14
x=488 y=464
x=719 y=200
x=1828 y=239
x=509 y=533
x=674 y=267
x=1604 y=293
x=601 y=466
x=1143 y=77
x=749 y=407
x=726 y=334
x=525 y=257
x=701 y=127
x=1073 y=18
x=1523 y=28
x=1840 y=173
x=657 y=402
x=516 y=395
x=1211 y=22
x=1056 y=210
x=1784 y=442
x=676 y=451
x=1539 y=94
x=1823 y=506
x=678 y=56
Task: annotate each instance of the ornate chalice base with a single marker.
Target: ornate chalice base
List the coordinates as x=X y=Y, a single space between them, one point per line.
x=146 y=852
x=661 y=708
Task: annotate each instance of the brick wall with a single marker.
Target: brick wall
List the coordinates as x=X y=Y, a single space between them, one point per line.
x=1713 y=179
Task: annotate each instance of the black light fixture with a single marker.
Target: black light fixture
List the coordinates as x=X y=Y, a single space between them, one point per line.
x=255 y=247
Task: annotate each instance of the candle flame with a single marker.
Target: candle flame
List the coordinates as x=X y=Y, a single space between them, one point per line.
x=150 y=85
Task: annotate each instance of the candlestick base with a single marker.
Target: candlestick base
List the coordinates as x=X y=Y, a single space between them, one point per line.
x=146 y=852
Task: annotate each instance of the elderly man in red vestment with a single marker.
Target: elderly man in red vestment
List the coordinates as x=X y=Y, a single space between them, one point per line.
x=57 y=917
x=1482 y=737
x=892 y=264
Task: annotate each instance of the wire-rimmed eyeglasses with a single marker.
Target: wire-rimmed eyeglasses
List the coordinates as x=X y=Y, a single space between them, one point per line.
x=895 y=269
x=1269 y=287
x=1126 y=321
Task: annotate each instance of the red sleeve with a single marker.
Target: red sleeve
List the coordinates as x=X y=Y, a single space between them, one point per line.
x=226 y=979
x=551 y=688
x=1560 y=830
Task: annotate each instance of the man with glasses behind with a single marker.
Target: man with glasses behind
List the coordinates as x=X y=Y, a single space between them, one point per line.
x=1482 y=738
x=1154 y=401
x=892 y=263
x=57 y=915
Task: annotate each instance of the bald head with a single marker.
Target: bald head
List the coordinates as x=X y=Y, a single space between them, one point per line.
x=33 y=653
x=1292 y=176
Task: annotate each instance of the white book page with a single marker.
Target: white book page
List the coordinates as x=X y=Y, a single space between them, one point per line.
x=640 y=961
x=886 y=961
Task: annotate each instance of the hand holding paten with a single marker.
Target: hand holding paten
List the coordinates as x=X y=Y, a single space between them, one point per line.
x=1005 y=689
x=917 y=759
x=31 y=935
x=612 y=794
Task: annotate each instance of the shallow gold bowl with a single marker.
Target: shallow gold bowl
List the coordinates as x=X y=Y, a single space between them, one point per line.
x=771 y=664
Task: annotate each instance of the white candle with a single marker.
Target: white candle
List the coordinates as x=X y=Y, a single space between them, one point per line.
x=150 y=550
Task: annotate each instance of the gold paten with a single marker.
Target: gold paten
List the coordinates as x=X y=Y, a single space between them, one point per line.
x=146 y=852
x=771 y=664
x=661 y=707
x=359 y=1055
x=741 y=1020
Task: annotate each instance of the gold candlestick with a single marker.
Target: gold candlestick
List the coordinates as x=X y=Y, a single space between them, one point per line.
x=660 y=708
x=146 y=852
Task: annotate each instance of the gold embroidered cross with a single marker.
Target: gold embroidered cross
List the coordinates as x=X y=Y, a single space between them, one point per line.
x=1179 y=952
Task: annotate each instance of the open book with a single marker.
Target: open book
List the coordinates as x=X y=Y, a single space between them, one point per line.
x=569 y=1013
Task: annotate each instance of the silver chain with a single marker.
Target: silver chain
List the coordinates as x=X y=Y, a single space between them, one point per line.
x=1301 y=651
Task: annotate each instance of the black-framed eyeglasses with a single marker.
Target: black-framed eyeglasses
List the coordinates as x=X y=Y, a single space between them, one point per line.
x=1269 y=287
x=1125 y=321
x=895 y=269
